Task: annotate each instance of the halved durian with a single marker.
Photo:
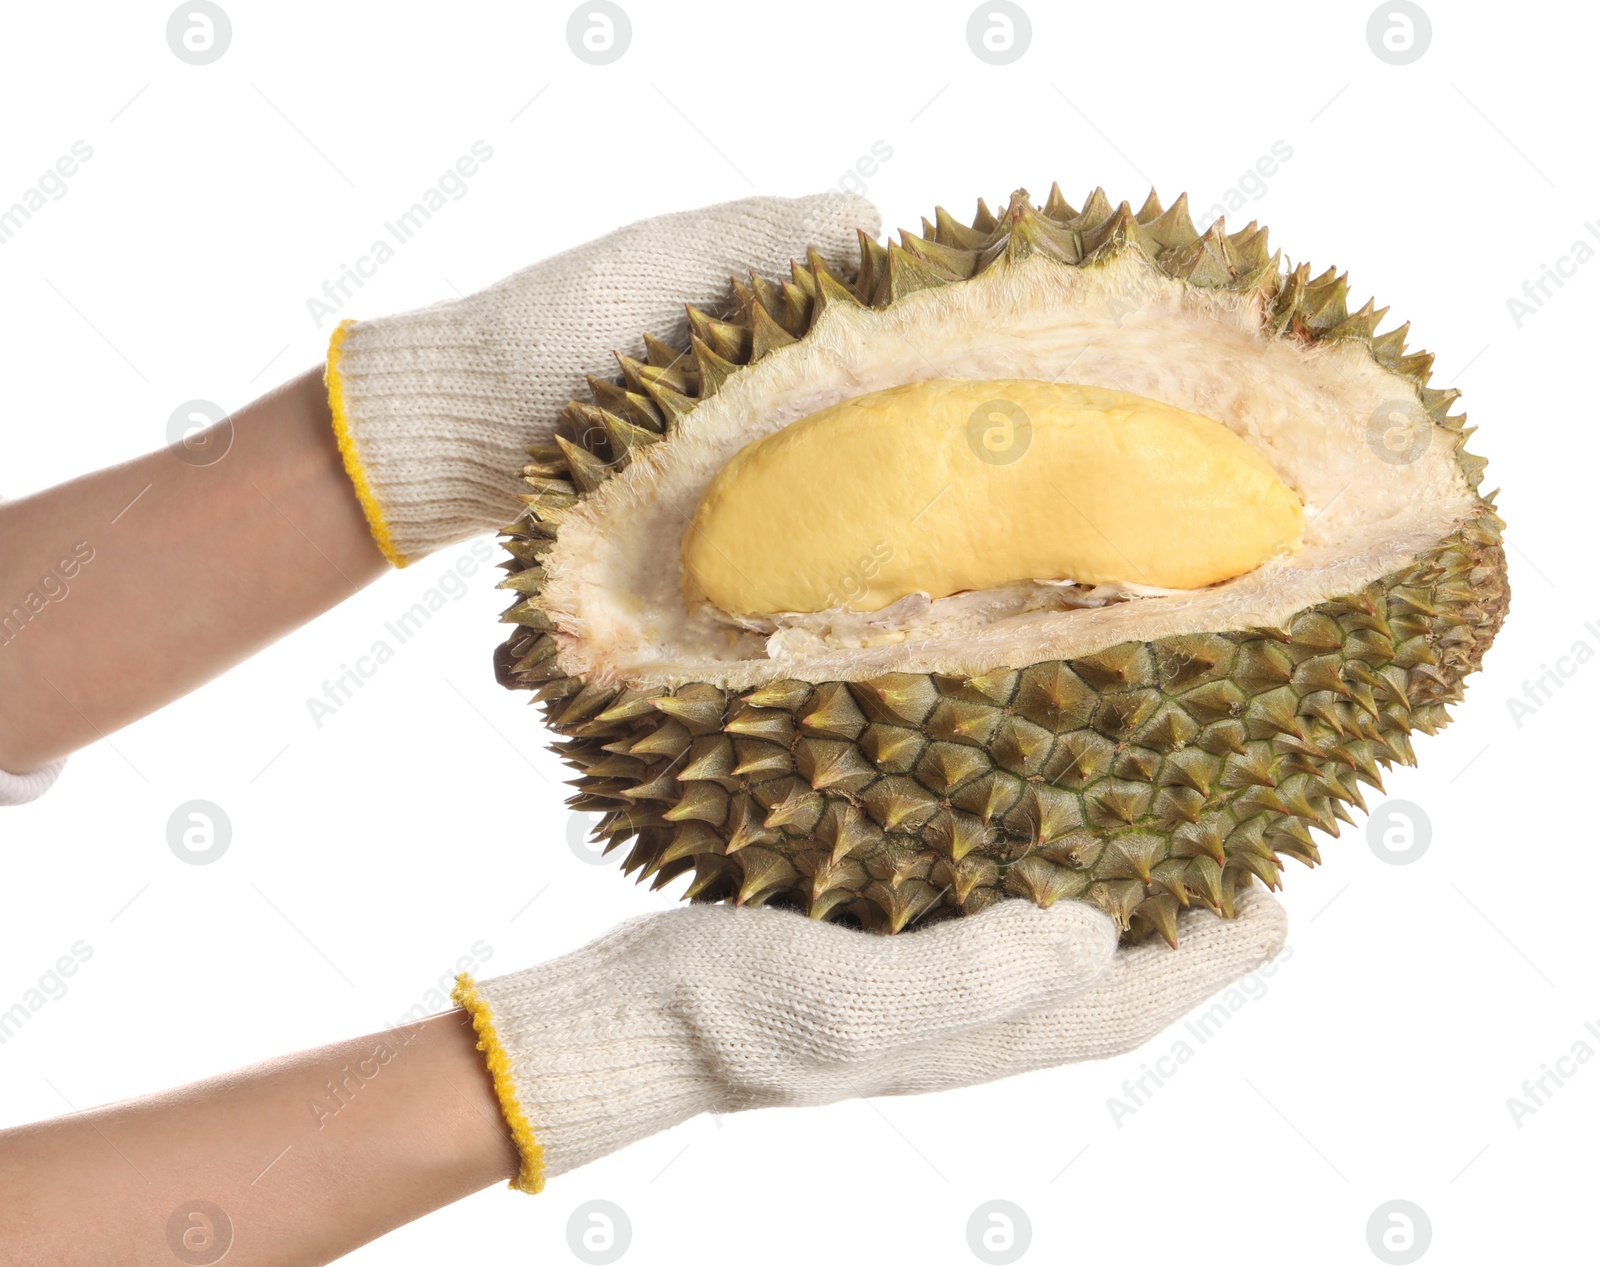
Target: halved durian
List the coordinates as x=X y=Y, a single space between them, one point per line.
x=1240 y=556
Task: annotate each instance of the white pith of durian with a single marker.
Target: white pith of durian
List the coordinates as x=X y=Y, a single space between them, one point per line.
x=614 y=587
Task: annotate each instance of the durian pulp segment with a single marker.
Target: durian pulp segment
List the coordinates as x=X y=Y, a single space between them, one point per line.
x=951 y=485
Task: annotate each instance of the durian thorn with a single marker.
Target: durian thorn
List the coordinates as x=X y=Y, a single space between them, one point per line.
x=667 y=872
x=588 y=471
x=660 y=355
x=951 y=232
x=801 y=277
x=701 y=800
x=831 y=289
x=715 y=370
x=1161 y=910
x=624 y=437
x=729 y=340
x=714 y=762
x=767 y=334
x=873 y=272
x=823 y=904
x=958 y=263
x=908 y=274
x=632 y=405
x=710 y=871
x=675 y=405
x=1058 y=208
x=1149 y=210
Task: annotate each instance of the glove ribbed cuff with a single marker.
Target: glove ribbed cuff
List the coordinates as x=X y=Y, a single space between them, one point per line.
x=19 y=789
x=592 y=1072
x=437 y=427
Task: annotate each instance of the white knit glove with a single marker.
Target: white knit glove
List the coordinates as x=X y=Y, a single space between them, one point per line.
x=716 y=1009
x=19 y=789
x=435 y=408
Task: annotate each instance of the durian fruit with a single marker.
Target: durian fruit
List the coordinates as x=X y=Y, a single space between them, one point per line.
x=1248 y=558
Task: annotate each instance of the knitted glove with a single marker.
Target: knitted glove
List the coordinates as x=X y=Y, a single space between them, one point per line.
x=19 y=789
x=716 y=1009
x=434 y=408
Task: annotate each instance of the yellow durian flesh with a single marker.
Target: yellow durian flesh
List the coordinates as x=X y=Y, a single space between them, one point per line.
x=952 y=485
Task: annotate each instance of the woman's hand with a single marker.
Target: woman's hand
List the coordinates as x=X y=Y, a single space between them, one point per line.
x=717 y=1009
x=187 y=561
x=699 y=1009
x=435 y=408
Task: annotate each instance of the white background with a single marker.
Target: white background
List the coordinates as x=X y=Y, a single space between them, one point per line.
x=370 y=853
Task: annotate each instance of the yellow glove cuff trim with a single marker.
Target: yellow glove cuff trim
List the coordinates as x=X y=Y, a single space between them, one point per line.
x=347 y=448
x=530 y=1176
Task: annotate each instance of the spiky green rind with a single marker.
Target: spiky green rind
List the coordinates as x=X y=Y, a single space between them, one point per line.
x=1144 y=778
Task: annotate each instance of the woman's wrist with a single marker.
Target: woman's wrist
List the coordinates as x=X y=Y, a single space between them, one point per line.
x=306 y=1157
x=133 y=585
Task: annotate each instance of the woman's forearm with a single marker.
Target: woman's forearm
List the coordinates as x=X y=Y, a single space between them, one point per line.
x=126 y=588
x=307 y=1157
